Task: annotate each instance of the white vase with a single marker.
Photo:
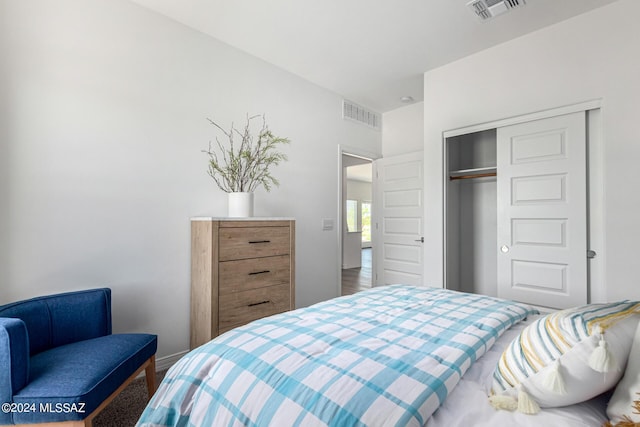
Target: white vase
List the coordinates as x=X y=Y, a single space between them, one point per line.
x=240 y=205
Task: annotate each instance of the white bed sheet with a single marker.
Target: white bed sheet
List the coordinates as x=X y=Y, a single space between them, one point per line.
x=467 y=405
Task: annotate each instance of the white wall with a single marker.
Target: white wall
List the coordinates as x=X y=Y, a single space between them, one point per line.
x=358 y=190
x=361 y=192
x=403 y=130
x=592 y=56
x=102 y=110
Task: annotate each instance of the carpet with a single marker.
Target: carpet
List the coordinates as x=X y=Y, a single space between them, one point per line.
x=127 y=407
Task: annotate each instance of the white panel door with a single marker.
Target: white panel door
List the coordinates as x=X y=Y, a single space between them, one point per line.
x=400 y=181
x=542 y=211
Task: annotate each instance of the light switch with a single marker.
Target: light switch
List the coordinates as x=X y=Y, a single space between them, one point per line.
x=327 y=224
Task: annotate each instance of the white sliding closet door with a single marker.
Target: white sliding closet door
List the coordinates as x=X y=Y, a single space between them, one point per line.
x=542 y=211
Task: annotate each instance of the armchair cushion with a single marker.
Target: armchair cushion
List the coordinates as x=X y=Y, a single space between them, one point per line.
x=85 y=372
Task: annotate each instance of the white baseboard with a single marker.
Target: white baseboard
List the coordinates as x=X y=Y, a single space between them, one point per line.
x=166 y=362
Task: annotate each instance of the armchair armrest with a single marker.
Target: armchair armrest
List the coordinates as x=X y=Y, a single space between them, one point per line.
x=14 y=361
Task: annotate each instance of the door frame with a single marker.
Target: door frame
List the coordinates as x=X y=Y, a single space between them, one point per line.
x=596 y=288
x=366 y=155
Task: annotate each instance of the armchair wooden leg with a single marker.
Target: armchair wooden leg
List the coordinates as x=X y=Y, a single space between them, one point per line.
x=150 y=373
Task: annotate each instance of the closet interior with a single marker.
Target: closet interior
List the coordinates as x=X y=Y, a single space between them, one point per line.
x=471 y=212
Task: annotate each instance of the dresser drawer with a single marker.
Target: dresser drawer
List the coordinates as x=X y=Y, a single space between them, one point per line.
x=253 y=242
x=242 y=307
x=242 y=275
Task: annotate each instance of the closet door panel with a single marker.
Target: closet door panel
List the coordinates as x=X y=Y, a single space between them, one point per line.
x=538 y=189
x=542 y=211
x=537 y=232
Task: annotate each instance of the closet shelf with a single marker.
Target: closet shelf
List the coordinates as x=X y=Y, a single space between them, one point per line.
x=472 y=173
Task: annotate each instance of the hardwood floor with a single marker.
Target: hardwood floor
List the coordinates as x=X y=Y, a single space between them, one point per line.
x=358 y=279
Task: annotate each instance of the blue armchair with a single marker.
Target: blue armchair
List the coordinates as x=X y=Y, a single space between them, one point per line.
x=59 y=361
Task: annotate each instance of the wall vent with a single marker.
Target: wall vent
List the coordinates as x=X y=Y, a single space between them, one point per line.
x=357 y=113
x=487 y=9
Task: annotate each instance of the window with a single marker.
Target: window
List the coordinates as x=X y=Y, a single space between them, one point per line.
x=352 y=215
x=366 y=222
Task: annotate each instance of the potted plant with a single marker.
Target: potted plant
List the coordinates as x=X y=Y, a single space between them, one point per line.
x=244 y=163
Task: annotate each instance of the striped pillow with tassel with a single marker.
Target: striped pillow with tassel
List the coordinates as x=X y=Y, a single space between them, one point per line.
x=565 y=357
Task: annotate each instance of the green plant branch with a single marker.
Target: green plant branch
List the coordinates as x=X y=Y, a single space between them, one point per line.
x=247 y=167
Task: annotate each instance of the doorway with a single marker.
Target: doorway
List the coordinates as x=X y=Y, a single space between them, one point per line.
x=356 y=232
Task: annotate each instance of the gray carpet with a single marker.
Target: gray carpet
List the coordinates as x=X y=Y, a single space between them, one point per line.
x=126 y=408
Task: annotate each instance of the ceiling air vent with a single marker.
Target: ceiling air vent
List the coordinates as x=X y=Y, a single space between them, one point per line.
x=355 y=112
x=487 y=9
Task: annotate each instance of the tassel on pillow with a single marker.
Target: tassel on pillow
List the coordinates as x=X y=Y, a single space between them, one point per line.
x=503 y=402
x=601 y=360
x=553 y=381
x=526 y=404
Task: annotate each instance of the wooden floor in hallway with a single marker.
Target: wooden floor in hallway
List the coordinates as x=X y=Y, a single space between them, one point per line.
x=358 y=279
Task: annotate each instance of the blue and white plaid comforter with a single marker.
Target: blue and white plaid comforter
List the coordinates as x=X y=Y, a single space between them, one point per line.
x=384 y=357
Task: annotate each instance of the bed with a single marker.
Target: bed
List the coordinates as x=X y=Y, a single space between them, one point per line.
x=389 y=356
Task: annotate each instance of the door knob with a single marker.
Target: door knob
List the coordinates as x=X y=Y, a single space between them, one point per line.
x=504 y=249
x=421 y=240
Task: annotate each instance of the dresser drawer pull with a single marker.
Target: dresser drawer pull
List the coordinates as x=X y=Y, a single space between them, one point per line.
x=259 y=272
x=258 y=303
x=259 y=241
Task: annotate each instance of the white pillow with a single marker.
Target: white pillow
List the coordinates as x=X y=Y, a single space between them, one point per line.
x=565 y=357
x=626 y=399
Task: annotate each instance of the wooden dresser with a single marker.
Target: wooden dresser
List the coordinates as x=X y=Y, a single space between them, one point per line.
x=241 y=270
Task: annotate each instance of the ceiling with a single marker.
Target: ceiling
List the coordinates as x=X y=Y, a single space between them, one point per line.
x=363 y=172
x=372 y=52
x=357 y=168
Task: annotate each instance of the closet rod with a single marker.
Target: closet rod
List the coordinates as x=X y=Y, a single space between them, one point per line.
x=471 y=176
